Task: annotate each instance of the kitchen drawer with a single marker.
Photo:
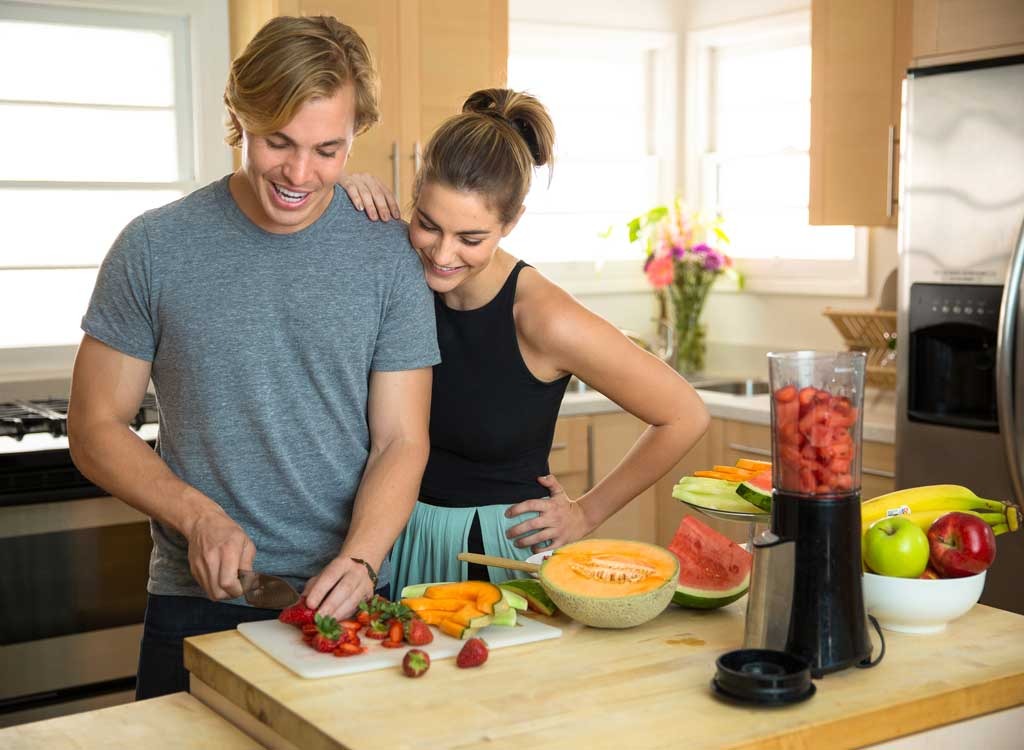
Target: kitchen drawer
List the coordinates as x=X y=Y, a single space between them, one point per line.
x=570 y=458
x=570 y=449
x=743 y=440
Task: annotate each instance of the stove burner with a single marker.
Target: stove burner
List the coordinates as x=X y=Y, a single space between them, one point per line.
x=21 y=418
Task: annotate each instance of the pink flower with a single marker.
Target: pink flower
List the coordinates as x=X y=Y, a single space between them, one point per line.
x=659 y=271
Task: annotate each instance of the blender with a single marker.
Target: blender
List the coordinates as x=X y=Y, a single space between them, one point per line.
x=805 y=596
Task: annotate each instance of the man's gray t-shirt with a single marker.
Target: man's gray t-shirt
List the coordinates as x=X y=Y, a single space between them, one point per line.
x=262 y=347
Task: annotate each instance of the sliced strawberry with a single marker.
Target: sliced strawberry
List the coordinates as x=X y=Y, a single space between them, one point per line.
x=396 y=632
x=298 y=614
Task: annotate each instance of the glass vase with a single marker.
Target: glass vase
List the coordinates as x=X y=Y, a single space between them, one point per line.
x=689 y=350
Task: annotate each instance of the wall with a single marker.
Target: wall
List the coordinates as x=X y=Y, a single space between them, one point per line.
x=742 y=325
x=774 y=321
x=634 y=311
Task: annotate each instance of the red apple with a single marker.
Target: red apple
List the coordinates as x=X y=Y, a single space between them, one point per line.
x=961 y=545
x=929 y=573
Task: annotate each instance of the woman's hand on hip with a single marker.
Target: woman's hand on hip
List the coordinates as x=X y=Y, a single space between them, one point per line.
x=559 y=522
x=370 y=195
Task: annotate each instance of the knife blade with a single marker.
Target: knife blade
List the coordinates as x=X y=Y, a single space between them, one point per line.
x=267 y=591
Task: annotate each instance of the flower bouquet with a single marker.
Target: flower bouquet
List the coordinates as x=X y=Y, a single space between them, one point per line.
x=682 y=262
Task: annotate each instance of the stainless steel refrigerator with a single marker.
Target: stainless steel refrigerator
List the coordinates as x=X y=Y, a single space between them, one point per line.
x=960 y=329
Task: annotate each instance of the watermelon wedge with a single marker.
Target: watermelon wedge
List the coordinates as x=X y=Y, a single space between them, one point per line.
x=713 y=570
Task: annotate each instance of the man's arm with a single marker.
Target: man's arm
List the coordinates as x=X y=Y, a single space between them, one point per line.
x=399 y=412
x=107 y=388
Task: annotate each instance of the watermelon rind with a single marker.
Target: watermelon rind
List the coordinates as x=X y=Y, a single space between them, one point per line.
x=755 y=495
x=531 y=592
x=715 y=494
x=694 y=598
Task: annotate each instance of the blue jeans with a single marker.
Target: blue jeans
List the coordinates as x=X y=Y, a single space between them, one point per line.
x=170 y=620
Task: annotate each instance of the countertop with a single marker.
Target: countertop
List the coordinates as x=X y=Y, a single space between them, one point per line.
x=642 y=687
x=879 y=409
x=176 y=721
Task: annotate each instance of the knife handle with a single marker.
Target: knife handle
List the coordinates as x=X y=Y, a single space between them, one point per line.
x=498 y=562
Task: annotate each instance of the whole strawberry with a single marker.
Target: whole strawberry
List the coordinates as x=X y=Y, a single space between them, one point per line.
x=298 y=614
x=328 y=633
x=415 y=663
x=473 y=654
x=418 y=633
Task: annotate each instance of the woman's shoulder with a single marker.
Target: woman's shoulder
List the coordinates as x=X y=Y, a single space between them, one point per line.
x=545 y=313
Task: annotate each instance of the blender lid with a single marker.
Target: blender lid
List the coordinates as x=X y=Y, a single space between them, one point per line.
x=758 y=676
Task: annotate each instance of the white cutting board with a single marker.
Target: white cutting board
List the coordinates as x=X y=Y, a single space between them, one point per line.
x=284 y=643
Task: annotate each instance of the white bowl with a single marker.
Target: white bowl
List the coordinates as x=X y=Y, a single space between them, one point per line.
x=920 y=605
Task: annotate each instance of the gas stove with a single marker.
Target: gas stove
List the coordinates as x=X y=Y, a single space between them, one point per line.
x=35 y=462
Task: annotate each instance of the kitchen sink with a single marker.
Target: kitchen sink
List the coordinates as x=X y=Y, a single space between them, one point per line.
x=747 y=387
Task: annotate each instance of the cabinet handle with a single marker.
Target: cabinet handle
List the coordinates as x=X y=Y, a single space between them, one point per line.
x=750 y=449
x=890 y=172
x=396 y=172
x=417 y=158
x=878 y=473
x=559 y=447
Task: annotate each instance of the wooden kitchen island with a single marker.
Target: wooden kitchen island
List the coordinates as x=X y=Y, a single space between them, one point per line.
x=646 y=687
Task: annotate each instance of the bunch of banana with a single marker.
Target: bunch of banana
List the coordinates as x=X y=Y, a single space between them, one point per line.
x=923 y=505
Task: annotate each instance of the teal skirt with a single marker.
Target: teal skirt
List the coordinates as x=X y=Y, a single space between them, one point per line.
x=426 y=550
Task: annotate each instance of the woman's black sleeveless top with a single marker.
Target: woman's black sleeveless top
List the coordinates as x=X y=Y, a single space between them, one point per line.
x=491 y=420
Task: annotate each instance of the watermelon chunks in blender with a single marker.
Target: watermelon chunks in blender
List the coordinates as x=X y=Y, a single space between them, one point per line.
x=814 y=437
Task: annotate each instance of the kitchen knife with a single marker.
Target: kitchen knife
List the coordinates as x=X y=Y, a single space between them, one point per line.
x=266 y=591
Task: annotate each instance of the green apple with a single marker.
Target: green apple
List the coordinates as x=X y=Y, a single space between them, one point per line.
x=896 y=547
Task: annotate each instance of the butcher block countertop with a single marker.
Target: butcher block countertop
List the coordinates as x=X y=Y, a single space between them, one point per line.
x=645 y=687
x=175 y=721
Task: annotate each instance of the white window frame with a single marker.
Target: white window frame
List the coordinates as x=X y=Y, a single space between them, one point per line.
x=774 y=275
x=618 y=276
x=201 y=26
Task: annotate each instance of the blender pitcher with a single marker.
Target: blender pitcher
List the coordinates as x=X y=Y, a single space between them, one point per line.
x=810 y=558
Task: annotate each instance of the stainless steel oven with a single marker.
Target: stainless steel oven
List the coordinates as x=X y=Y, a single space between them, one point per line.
x=73 y=570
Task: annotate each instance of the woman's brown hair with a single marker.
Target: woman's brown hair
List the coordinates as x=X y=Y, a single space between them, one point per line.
x=491 y=148
x=290 y=61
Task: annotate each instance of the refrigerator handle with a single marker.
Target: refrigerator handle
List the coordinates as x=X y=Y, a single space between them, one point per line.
x=1006 y=362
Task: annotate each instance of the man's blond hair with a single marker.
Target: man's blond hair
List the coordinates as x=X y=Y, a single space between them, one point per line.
x=290 y=61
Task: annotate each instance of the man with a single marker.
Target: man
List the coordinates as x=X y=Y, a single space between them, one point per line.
x=289 y=340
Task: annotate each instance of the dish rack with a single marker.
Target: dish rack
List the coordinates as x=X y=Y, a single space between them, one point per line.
x=872 y=332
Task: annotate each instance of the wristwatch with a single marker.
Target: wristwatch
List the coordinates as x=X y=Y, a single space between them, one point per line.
x=369 y=570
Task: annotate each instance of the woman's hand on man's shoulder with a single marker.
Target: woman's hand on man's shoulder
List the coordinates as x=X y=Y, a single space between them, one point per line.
x=370 y=195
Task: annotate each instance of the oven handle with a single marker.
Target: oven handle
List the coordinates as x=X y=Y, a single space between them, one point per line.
x=1007 y=359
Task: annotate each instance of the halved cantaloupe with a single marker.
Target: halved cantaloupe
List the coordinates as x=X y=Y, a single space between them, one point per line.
x=610 y=583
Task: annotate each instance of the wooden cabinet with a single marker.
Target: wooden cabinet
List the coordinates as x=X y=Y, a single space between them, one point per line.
x=860 y=51
x=570 y=458
x=430 y=55
x=587 y=448
x=948 y=31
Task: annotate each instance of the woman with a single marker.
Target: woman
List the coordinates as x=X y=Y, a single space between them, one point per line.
x=510 y=340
